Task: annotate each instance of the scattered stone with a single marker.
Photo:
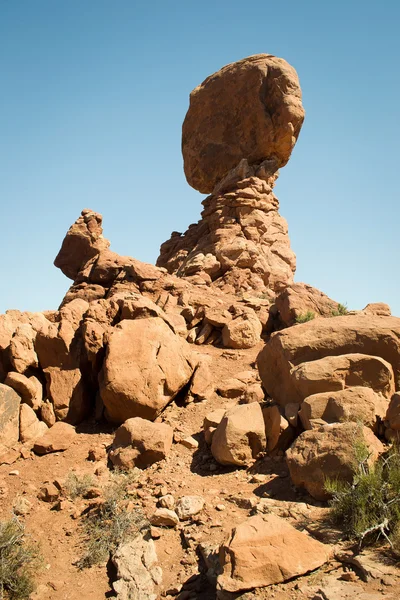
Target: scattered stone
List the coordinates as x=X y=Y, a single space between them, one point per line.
x=189 y=442
x=164 y=517
x=167 y=501
x=188 y=506
x=138 y=571
x=49 y=492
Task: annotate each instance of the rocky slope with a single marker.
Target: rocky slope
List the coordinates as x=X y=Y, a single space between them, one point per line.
x=194 y=382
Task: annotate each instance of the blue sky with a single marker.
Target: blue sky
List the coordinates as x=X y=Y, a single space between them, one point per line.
x=93 y=95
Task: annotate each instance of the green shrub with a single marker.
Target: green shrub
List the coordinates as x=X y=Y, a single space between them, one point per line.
x=369 y=507
x=304 y=317
x=111 y=523
x=19 y=560
x=340 y=310
x=76 y=486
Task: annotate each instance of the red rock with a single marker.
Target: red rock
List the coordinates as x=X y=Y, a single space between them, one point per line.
x=56 y=439
x=300 y=298
x=9 y=415
x=266 y=550
x=249 y=109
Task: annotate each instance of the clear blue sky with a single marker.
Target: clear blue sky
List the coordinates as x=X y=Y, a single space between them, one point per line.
x=93 y=95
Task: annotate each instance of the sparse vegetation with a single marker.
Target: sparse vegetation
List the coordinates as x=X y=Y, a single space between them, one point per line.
x=112 y=522
x=304 y=317
x=340 y=310
x=76 y=486
x=19 y=561
x=369 y=508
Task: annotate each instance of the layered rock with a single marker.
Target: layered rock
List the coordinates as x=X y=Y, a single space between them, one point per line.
x=241 y=127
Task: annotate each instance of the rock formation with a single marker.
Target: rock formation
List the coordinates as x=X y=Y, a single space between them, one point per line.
x=210 y=336
x=241 y=127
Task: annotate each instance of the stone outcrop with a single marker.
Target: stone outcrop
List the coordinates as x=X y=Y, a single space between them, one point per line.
x=267 y=550
x=83 y=241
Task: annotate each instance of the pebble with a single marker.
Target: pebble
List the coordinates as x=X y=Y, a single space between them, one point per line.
x=14 y=472
x=220 y=507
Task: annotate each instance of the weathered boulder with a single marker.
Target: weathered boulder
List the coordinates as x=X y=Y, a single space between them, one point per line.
x=338 y=372
x=9 y=416
x=56 y=439
x=145 y=366
x=393 y=413
x=243 y=331
x=371 y=335
x=357 y=404
x=30 y=428
x=189 y=506
x=137 y=570
x=140 y=443
x=298 y=299
x=378 y=308
x=249 y=109
x=265 y=550
x=83 y=240
x=22 y=348
x=240 y=436
x=211 y=422
x=29 y=388
x=277 y=430
x=59 y=350
x=328 y=452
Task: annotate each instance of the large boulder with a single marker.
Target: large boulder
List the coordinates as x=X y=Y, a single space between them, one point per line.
x=329 y=452
x=145 y=366
x=57 y=438
x=357 y=404
x=30 y=428
x=351 y=334
x=9 y=415
x=249 y=109
x=265 y=550
x=243 y=331
x=240 y=436
x=29 y=388
x=298 y=299
x=140 y=443
x=338 y=372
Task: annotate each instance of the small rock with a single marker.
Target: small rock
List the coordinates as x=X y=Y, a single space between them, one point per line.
x=188 y=506
x=165 y=518
x=49 y=492
x=189 y=442
x=14 y=472
x=167 y=501
x=220 y=507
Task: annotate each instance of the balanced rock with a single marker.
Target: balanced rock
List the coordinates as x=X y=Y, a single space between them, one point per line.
x=240 y=436
x=265 y=550
x=249 y=109
x=145 y=366
x=140 y=443
x=329 y=452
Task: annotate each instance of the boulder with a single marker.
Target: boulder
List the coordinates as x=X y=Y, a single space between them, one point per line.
x=249 y=109
x=9 y=415
x=22 y=348
x=211 y=422
x=357 y=404
x=145 y=366
x=338 y=372
x=351 y=334
x=137 y=570
x=164 y=517
x=188 y=506
x=140 y=443
x=329 y=452
x=240 y=436
x=266 y=550
x=277 y=430
x=29 y=388
x=56 y=439
x=243 y=331
x=83 y=240
x=47 y=414
x=393 y=413
x=298 y=299
x=30 y=428
x=377 y=308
